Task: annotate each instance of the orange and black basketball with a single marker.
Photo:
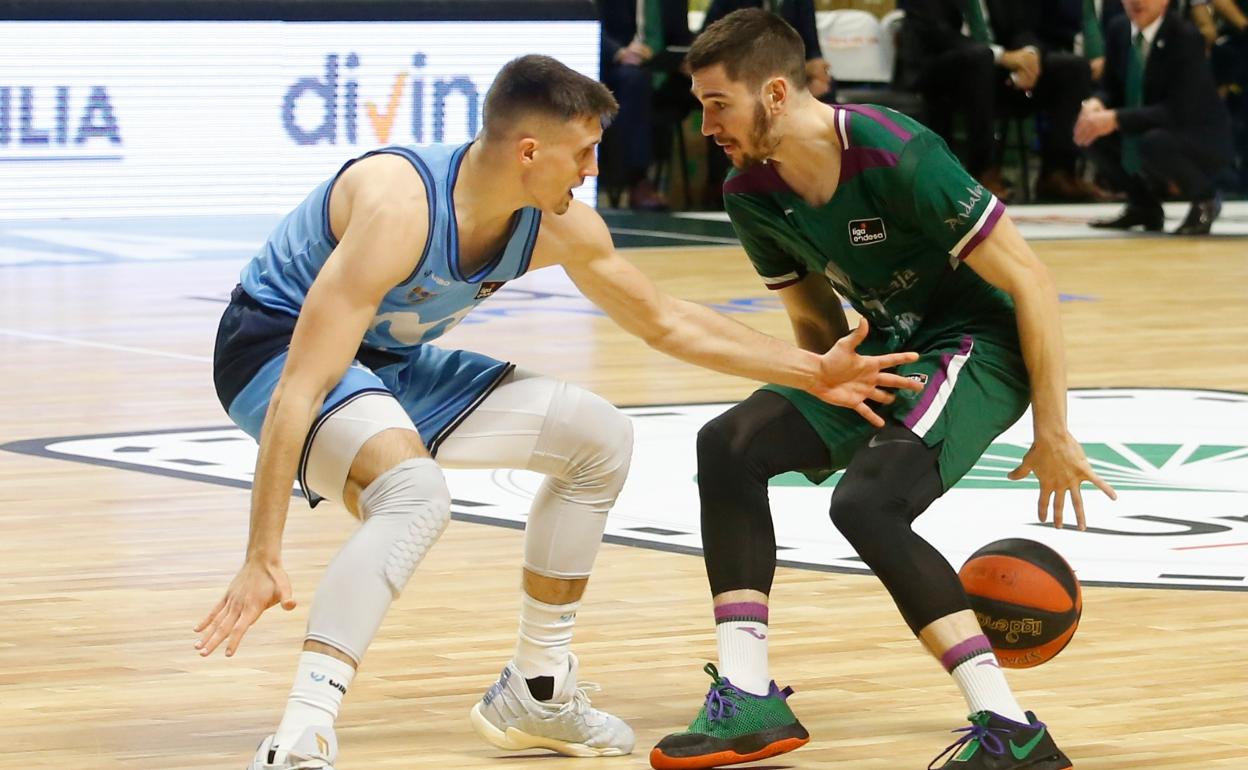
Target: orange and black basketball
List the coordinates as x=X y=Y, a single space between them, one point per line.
x=1026 y=597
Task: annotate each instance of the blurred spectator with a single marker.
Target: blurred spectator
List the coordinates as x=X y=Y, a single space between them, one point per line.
x=1075 y=26
x=634 y=32
x=1156 y=127
x=984 y=59
x=1206 y=13
x=1230 y=72
x=800 y=14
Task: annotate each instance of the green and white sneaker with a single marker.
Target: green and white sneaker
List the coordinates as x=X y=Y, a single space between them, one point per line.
x=733 y=726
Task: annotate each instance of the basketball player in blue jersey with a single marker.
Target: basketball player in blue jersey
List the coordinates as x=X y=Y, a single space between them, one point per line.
x=323 y=356
x=861 y=202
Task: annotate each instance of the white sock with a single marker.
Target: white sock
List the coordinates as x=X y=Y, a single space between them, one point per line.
x=545 y=638
x=320 y=684
x=741 y=636
x=983 y=684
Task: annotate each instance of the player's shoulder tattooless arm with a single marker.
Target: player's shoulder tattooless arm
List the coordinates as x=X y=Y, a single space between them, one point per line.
x=572 y=239
x=386 y=235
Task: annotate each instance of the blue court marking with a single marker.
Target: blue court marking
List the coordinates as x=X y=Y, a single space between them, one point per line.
x=59 y=158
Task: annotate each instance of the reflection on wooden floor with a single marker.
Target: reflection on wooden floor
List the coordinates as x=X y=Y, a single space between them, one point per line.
x=104 y=571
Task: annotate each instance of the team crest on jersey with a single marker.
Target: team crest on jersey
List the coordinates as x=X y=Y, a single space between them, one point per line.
x=488 y=288
x=864 y=232
x=418 y=294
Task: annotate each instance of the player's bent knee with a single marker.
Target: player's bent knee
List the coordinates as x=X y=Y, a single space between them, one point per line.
x=412 y=502
x=354 y=443
x=724 y=447
x=852 y=516
x=585 y=449
x=585 y=440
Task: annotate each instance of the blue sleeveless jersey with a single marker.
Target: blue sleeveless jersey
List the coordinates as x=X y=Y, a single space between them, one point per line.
x=434 y=298
x=437 y=388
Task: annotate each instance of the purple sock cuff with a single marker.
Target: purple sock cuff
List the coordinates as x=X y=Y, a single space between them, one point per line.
x=964 y=651
x=741 y=611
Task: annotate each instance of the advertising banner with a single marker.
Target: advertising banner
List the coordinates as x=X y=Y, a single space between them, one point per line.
x=149 y=118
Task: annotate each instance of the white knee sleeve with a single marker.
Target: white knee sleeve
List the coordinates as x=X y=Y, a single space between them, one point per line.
x=584 y=448
x=405 y=510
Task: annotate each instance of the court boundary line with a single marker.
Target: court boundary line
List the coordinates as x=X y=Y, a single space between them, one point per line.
x=103 y=345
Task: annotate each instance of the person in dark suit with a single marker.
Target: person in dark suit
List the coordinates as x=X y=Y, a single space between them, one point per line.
x=800 y=14
x=1156 y=126
x=983 y=57
x=633 y=32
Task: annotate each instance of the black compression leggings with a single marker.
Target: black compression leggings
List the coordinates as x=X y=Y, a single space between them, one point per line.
x=889 y=482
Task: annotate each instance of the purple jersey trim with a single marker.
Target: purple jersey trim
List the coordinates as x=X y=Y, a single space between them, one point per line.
x=934 y=387
x=785 y=284
x=994 y=214
x=760 y=179
x=880 y=118
x=855 y=160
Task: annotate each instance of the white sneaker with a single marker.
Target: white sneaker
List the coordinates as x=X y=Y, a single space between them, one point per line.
x=316 y=749
x=509 y=717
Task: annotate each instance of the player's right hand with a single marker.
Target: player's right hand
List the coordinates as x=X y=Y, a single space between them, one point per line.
x=256 y=587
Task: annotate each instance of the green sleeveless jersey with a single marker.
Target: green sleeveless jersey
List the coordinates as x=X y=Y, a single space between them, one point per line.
x=891 y=240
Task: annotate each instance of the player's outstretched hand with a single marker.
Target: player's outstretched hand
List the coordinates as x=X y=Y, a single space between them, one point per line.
x=848 y=379
x=1060 y=466
x=254 y=589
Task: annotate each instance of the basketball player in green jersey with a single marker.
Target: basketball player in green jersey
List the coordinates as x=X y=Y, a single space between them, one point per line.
x=863 y=202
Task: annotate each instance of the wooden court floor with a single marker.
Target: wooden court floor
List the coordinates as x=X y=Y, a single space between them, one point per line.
x=104 y=571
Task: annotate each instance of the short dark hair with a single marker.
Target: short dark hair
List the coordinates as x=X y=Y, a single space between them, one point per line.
x=546 y=86
x=752 y=45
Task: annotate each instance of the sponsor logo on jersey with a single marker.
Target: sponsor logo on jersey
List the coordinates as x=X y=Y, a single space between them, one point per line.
x=863 y=232
x=967 y=207
x=488 y=288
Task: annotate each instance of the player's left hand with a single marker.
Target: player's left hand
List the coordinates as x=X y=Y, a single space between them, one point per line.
x=1060 y=466
x=848 y=379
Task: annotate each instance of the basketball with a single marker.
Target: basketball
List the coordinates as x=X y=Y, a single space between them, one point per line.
x=1026 y=598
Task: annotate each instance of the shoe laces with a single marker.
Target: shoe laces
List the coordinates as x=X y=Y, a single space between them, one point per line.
x=721 y=699
x=978 y=730
x=579 y=703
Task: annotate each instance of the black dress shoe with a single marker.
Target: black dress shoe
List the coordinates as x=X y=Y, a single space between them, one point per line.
x=1200 y=217
x=1132 y=216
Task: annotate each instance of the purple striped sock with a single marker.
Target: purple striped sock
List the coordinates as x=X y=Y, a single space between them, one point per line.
x=964 y=651
x=741 y=612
